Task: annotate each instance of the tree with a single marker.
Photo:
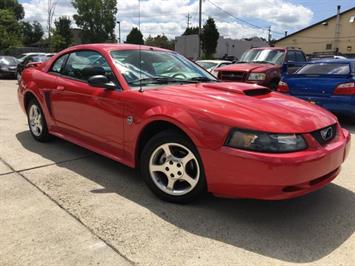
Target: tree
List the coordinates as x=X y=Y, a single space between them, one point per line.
x=62 y=35
x=191 y=31
x=9 y=30
x=160 y=41
x=14 y=6
x=97 y=19
x=209 y=38
x=135 y=36
x=51 y=5
x=31 y=32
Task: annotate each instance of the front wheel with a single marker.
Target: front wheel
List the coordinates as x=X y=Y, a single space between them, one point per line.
x=172 y=168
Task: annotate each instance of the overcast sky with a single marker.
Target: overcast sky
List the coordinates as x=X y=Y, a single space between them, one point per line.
x=234 y=18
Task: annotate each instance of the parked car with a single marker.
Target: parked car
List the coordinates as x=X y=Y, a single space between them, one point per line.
x=29 y=59
x=264 y=66
x=8 y=66
x=212 y=65
x=328 y=83
x=23 y=56
x=186 y=132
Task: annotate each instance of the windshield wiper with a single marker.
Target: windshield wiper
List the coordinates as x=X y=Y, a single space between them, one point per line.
x=202 y=79
x=263 y=62
x=160 y=80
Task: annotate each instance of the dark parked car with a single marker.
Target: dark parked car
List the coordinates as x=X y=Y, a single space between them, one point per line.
x=8 y=66
x=30 y=59
x=329 y=83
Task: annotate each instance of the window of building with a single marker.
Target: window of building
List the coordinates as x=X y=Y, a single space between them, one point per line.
x=352 y=19
x=328 y=46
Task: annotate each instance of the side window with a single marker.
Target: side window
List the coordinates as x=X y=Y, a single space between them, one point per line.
x=84 y=64
x=291 y=57
x=300 y=57
x=58 y=64
x=224 y=64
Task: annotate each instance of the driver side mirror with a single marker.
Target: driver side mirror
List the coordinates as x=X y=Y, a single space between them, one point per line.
x=101 y=81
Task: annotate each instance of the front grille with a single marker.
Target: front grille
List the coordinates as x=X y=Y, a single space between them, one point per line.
x=325 y=135
x=232 y=76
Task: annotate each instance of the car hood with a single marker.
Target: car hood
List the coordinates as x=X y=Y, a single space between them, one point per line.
x=246 y=106
x=247 y=67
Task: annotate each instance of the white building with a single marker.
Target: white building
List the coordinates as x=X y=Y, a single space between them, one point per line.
x=187 y=45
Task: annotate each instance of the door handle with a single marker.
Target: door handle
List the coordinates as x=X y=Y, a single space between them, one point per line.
x=60 y=88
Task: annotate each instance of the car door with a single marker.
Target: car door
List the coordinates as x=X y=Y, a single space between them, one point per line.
x=90 y=115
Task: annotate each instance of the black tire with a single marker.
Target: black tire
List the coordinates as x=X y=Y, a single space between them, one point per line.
x=273 y=84
x=44 y=135
x=165 y=137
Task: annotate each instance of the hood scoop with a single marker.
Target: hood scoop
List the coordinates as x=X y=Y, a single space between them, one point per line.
x=257 y=92
x=239 y=88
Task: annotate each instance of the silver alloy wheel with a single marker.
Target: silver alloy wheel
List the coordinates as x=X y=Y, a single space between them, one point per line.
x=174 y=169
x=35 y=120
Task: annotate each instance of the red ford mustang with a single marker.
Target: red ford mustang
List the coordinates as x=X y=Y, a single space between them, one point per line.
x=152 y=108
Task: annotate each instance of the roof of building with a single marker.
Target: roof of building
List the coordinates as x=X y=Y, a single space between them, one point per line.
x=315 y=24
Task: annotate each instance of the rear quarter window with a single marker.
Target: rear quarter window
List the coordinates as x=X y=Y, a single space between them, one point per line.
x=324 y=69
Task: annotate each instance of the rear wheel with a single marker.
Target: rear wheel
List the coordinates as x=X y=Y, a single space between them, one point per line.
x=172 y=168
x=37 y=122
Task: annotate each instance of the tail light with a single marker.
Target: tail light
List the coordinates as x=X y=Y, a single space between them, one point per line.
x=345 y=89
x=282 y=87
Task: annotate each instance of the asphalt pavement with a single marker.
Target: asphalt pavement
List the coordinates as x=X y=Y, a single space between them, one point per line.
x=63 y=205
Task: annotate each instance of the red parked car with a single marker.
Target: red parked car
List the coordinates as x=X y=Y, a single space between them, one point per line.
x=264 y=66
x=151 y=108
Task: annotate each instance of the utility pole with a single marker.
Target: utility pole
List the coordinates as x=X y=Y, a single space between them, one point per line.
x=119 y=31
x=188 y=20
x=337 y=31
x=269 y=35
x=199 y=28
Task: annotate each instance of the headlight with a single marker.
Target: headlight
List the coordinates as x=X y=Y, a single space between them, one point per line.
x=265 y=142
x=256 y=76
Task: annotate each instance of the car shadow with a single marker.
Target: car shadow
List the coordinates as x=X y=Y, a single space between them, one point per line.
x=299 y=230
x=348 y=123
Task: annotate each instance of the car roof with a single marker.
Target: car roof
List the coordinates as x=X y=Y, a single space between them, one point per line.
x=332 y=60
x=214 y=61
x=269 y=48
x=114 y=47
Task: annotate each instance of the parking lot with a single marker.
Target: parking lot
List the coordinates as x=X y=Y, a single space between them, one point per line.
x=63 y=205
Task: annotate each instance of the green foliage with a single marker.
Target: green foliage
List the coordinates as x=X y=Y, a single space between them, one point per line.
x=160 y=41
x=191 y=31
x=31 y=32
x=209 y=38
x=135 y=37
x=9 y=30
x=97 y=19
x=62 y=35
x=13 y=6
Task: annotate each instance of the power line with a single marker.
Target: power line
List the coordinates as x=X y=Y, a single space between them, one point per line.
x=241 y=20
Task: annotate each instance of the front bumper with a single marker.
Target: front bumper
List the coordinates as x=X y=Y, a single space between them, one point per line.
x=8 y=73
x=243 y=174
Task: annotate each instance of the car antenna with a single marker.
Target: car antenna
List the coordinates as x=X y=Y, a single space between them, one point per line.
x=140 y=48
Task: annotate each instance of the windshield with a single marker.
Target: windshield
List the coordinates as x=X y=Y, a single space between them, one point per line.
x=324 y=68
x=7 y=60
x=149 y=66
x=263 y=56
x=207 y=65
x=39 y=59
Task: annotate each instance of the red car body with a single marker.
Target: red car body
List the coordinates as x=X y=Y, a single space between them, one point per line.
x=96 y=119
